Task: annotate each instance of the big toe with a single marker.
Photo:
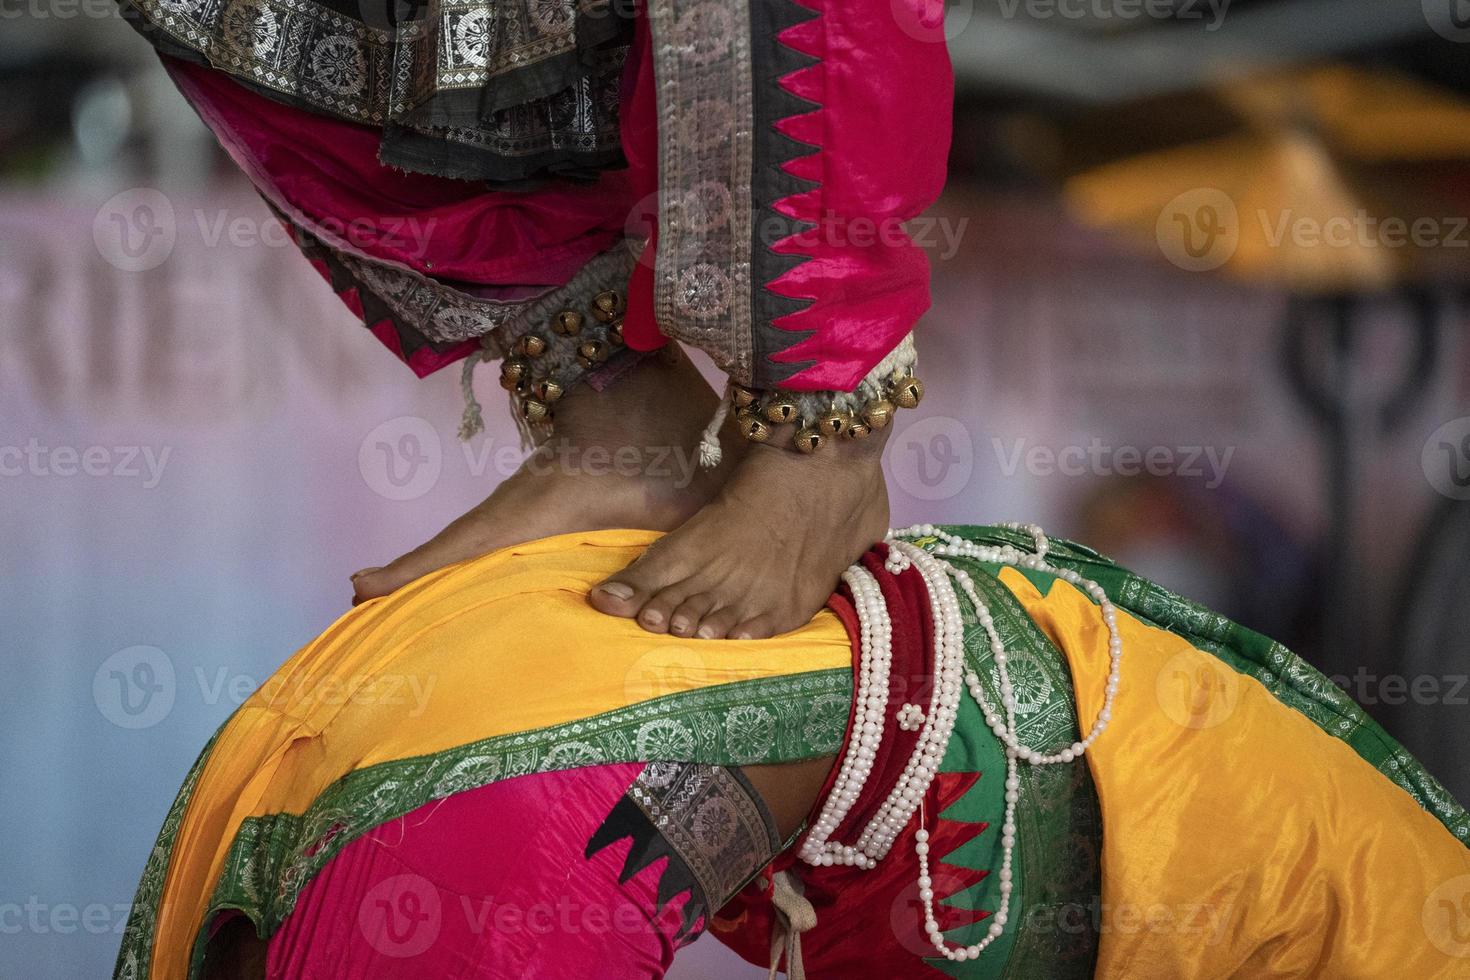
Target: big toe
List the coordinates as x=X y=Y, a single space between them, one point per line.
x=627 y=592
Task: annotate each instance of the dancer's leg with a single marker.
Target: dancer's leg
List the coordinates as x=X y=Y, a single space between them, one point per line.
x=622 y=457
x=792 y=142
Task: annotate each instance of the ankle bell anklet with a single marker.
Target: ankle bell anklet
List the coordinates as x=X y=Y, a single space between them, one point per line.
x=572 y=333
x=823 y=417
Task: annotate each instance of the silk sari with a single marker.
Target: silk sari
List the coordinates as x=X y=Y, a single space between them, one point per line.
x=1240 y=817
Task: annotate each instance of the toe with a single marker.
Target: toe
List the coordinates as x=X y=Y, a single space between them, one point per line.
x=756 y=628
x=626 y=593
x=659 y=610
x=689 y=612
x=717 y=625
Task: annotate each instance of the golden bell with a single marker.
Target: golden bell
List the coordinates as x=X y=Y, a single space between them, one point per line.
x=531 y=345
x=615 y=331
x=859 y=430
x=834 y=423
x=753 y=427
x=592 y=353
x=878 y=413
x=535 y=411
x=742 y=396
x=809 y=440
x=567 y=323
x=547 y=391
x=781 y=410
x=606 y=305
x=908 y=392
x=513 y=371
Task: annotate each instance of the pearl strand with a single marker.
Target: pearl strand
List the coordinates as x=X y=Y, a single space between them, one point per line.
x=1005 y=728
x=923 y=765
x=954 y=545
x=874 y=668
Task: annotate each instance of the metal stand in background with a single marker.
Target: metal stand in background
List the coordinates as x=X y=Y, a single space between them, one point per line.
x=1349 y=422
x=1426 y=644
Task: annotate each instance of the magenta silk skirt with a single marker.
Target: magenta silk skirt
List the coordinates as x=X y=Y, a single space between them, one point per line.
x=624 y=876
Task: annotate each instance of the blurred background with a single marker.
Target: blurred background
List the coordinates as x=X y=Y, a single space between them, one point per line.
x=1201 y=301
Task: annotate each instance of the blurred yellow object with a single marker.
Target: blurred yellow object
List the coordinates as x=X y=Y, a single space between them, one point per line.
x=1300 y=198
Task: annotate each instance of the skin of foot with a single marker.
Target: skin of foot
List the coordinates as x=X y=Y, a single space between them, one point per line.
x=625 y=457
x=762 y=557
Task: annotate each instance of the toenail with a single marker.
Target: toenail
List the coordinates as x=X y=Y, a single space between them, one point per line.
x=706 y=633
x=652 y=617
x=617 y=590
x=361 y=572
x=679 y=624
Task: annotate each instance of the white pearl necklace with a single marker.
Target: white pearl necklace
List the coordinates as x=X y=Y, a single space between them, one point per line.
x=951 y=671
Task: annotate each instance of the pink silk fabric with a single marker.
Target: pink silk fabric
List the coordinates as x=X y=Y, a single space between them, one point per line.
x=446 y=891
x=879 y=136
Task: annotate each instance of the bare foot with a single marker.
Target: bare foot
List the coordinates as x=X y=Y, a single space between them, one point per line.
x=763 y=556
x=624 y=457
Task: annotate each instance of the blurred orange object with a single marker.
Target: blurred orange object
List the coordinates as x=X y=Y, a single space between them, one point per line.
x=1316 y=194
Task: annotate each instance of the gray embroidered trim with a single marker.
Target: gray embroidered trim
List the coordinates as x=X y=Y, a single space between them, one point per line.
x=713 y=819
x=368 y=73
x=702 y=273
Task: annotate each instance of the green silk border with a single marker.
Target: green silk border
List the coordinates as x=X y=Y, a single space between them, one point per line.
x=1291 y=680
x=776 y=719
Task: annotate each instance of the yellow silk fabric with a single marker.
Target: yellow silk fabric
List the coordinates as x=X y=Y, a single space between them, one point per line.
x=1239 y=839
x=502 y=644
